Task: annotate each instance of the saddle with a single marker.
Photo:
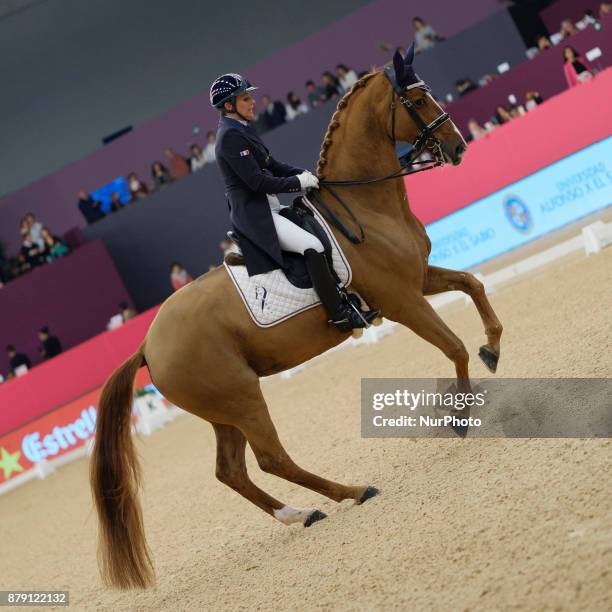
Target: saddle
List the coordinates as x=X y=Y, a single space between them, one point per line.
x=295 y=267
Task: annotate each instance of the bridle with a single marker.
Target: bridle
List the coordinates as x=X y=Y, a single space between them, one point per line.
x=425 y=141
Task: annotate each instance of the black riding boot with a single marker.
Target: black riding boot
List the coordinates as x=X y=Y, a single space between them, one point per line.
x=336 y=303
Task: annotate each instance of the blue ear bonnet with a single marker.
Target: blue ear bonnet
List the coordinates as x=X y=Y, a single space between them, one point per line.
x=404 y=72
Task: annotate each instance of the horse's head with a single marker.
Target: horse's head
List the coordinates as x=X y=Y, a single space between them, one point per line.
x=421 y=121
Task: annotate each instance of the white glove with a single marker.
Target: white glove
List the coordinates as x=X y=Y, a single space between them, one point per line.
x=308 y=180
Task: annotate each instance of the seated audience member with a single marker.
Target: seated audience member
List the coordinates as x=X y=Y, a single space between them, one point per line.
x=476 y=130
x=54 y=247
x=127 y=313
x=197 y=160
x=486 y=79
x=502 y=115
x=347 y=76
x=331 y=86
x=35 y=229
x=575 y=71
x=89 y=208
x=294 y=106
x=605 y=8
x=138 y=188
x=532 y=99
x=209 y=150
x=16 y=359
x=179 y=167
x=316 y=95
x=273 y=113
x=543 y=42
x=424 y=36
x=568 y=28
x=51 y=346
x=464 y=86
x=160 y=174
x=115 y=202
x=179 y=277
x=588 y=19
x=30 y=255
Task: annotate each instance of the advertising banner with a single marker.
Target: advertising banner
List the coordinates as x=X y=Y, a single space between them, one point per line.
x=532 y=207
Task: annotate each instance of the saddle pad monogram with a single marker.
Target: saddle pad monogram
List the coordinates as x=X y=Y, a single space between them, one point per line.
x=271 y=299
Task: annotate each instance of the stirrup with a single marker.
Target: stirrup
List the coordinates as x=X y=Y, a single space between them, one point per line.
x=349 y=316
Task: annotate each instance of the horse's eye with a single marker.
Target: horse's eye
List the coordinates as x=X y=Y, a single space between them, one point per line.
x=420 y=102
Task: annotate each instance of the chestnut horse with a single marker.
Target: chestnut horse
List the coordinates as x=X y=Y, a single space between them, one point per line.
x=206 y=355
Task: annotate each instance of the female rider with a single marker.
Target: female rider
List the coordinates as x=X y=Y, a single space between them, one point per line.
x=252 y=180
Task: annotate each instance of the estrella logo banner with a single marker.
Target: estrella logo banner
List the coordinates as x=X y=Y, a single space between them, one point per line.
x=541 y=203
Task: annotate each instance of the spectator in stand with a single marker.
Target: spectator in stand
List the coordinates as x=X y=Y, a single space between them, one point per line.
x=487 y=79
x=30 y=256
x=316 y=95
x=54 y=247
x=476 y=130
x=51 y=346
x=464 y=86
x=502 y=115
x=347 y=76
x=127 y=313
x=568 y=28
x=179 y=277
x=532 y=99
x=273 y=114
x=137 y=188
x=605 y=8
x=424 y=36
x=331 y=85
x=17 y=360
x=35 y=229
x=587 y=20
x=543 y=42
x=209 y=150
x=115 y=202
x=89 y=207
x=160 y=174
x=294 y=106
x=197 y=160
x=179 y=167
x=575 y=71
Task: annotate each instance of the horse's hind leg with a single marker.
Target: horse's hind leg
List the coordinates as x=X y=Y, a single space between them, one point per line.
x=440 y=280
x=274 y=459
x=231 y=470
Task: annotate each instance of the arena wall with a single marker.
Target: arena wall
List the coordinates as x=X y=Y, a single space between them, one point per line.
x=74 y=296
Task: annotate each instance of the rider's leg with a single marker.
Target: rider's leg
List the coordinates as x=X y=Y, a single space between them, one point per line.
x=296 y=240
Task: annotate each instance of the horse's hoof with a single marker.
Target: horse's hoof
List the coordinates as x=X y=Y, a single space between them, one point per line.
x=368 y=494
x=377 y=321
x=357 y=333
x=489 y=358
x=317 y=515
x=460 y=430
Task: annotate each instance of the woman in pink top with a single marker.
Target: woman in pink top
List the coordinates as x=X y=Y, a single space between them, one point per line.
x=179 y=277
x=575 y=71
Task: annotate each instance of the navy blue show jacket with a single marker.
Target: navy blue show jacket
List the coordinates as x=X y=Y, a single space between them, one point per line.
x=249 y=173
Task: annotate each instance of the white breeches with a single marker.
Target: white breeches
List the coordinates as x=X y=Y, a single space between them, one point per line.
x=293 y=238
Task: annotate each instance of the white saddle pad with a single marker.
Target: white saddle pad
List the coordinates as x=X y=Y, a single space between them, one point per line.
x=271 y=299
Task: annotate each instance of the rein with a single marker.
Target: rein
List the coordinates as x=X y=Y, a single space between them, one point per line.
x=424 y=141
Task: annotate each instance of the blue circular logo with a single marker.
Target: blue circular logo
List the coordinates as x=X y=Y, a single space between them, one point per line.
x=518 y=214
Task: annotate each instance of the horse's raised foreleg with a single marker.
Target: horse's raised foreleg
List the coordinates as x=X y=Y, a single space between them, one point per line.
x=439 y=280
x=274 y=459
x=418 y=315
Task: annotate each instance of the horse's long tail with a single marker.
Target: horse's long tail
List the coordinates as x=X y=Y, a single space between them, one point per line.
x=123 y=555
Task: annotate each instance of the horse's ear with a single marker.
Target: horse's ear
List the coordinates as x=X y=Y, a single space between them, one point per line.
x=409 y=56
x=398 y=64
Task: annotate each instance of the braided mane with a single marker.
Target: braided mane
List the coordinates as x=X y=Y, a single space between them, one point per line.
x=334 y=124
